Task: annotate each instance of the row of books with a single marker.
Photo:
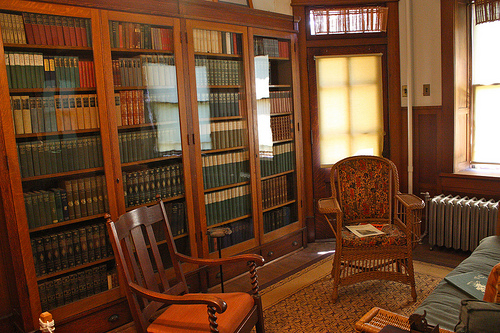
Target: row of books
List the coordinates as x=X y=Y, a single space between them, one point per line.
x=271 y=47
x=54 y=113
x=280 y=102
x=145 y=70
x=221 y=206
x=72 y=287
x=32 y=70
x=40 y=29
x=282 y=160
x=275 y=191
x=277 y=218
x=241 y=231
x=281 y=128
x=70 y=248
x=143 y=186
x=225 y=134
x=149 y=144
x=221 y=103
x=224 y=169
x=176 y=213
x=217 y=72
x=134 y=107
x=140 y=36
x=219 y=42
x=50 y=156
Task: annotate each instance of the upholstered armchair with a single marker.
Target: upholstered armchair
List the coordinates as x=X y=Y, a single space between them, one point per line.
x=365 y=190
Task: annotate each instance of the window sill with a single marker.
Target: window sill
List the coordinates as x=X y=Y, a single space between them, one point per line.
x=479 y=173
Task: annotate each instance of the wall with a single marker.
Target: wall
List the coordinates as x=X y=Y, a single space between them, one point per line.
x=425 y=49
x=277 y=6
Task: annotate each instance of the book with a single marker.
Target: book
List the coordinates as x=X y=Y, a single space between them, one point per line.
x=364 y=230
x=472 y=283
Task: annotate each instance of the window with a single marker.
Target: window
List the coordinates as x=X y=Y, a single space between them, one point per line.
x=326 y=21
x=486 y=94
x=350 y=106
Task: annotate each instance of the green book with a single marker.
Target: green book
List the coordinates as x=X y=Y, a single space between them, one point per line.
x=472 y=283
x=8 y=68
x=88 y=197
x=100 y=194
x=28 y=202
x=46 y=207
x=26 y=113
x=33 y=115
x=41 y=259
x=68 y=186
x=66 y=286
x=58 y=291
x=58 y=204
x=94 y=195
x=82 y=285
x=97 y=241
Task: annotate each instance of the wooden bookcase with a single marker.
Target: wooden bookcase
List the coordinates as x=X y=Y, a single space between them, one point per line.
x=107 y=109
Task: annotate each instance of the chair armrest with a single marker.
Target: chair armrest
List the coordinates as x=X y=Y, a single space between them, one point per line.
x=410 y=201
x=257 y=259
x=328 y=206
x=210 y=300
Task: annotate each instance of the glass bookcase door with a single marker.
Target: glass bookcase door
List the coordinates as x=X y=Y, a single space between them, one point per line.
x=276 y=135
x=223 y=133
x=144 y=68
x=56 y=116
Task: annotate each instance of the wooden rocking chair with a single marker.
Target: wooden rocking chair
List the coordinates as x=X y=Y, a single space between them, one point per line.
x=148 y=289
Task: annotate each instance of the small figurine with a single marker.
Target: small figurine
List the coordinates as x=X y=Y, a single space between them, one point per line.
x=419 y=324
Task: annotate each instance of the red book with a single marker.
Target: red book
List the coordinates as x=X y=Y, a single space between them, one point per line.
x=142 y=119
x=170 y=39
x=78 y=32
x=53 y=30
x=124 y=107
x=41 y=28
x=59 y=29
x=163 y=38
x=81 y=74
x=120 y=35
x=28 y=27
x=72 y=31
x=48 y=31
x=36 y=29
x=86 y=73
x=65 y=28
x=92 y=74
x=130 y=107
x=83 y=31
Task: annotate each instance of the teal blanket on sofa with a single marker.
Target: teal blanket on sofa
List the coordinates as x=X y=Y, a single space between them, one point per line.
x=443 y=304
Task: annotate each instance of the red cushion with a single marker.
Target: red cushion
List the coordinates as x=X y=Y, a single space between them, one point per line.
x=194 y=318
x=491 y=293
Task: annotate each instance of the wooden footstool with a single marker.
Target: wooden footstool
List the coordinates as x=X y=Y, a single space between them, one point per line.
x=376 y=319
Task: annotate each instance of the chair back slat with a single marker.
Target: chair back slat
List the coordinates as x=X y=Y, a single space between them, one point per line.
x=134 y=236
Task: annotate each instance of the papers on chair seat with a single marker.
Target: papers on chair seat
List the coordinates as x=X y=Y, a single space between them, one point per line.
x=364 y=230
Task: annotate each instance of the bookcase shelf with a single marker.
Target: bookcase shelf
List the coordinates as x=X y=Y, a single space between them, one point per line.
x=65 y=223
x=104 y=124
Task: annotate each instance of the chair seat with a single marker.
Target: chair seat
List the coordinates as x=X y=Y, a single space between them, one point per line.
x=194 y=318
x=392 y=236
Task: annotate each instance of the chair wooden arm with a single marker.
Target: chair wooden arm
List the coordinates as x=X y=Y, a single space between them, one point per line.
x=257 y=259
x=329 y=206
x=210 y=300
x=410 y=201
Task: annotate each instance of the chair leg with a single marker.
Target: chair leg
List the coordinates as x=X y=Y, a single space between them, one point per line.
x=259 y=326
x=336 y=276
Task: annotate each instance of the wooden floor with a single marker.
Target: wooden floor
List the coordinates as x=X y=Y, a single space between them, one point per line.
x=281 y=268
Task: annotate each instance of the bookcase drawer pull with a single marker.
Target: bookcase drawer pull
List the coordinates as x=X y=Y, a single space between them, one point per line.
x=270 y=253
x=295 y=243
x=113 y=318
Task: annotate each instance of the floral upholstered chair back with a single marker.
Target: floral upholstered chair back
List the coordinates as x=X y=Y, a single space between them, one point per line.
x=365 y=187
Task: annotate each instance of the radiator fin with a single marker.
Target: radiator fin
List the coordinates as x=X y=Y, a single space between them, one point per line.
x=460 y=222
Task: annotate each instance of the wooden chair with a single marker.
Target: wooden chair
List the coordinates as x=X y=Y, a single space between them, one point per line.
x=365 y=189
x=148 y=290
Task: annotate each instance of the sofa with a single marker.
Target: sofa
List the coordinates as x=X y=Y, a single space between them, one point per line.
x=443 y=305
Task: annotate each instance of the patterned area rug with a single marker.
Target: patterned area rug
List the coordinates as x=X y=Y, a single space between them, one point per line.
x=302 y=302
